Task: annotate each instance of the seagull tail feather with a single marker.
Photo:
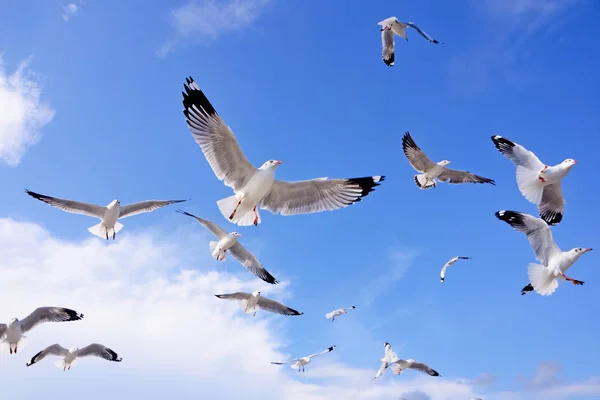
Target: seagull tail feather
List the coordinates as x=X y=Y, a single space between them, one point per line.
x=542 y=279
x=243 y=216
x=100 y=229
x=216 y=253
x=529 y=184
x=422 y=183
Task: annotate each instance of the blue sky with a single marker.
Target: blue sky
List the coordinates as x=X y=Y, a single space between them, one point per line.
x=94 y=113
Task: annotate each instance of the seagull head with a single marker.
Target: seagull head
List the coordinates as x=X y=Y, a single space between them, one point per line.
x=569 y=162
x=236 y=234
x=579 y=251
x=14 y=320
x=256 y=294
x=73 y=349
x=444 y=162
x=271 y=164
x=114 y=203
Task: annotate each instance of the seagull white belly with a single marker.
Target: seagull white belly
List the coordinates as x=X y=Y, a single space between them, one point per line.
x=434 y=172
x=227 y=242
x=13 y=334
x=257 y=187
x=110 y=216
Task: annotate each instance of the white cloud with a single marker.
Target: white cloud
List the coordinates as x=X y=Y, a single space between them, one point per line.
x=206 y=19
x=69 y=10
x=23 y=113
x=149 y=296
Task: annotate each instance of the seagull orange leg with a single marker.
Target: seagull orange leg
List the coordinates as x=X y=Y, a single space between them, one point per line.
x=255 y=217
x=575 y=281
x=236 y=207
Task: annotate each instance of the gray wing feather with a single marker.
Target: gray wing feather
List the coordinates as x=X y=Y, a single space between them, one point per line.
x=217 y=141
x=518 y=154
x=55 y=349
x=426 y=36
x=144 y=207
x=98 y=350
x=234 y=296
x=329 y=349
x=49 y=314
x=455 y=176
x=276 y=307
x=552 y=206
x=424 y=368
x=211 y=226
x=387 y=43
x=70 y=206
x=251 y=263
x=316 y=195
x=416 y=157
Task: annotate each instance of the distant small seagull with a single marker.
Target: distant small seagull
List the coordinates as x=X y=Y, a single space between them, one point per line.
x=399 y=366
x=109 y=214
x=431 y=171
x=299 y=363
x=388 y=358
x=70 y=356
x=543 y=278
x=250 y=301
x=15 y=330
x=449 y=263
x=229 y=242
x=338 y=312
x=538 y=183
x=391 y=26
x=258 y=188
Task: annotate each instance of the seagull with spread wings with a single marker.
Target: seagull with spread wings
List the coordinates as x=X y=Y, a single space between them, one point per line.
x=251 y=301
x=13 y=333
x=70 y=356
x=537 y=182
x=390 y=27
x=338 y=312
x=430 y=171
x=543 y=278
x=229 y=242
x=108 y=215
x=388 y=358
x=299 y=363
x=449 y=263
x=257 y=188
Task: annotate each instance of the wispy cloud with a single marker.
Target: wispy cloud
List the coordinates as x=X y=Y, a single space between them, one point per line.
x=511 y=24
x=201 y=20
x=69 y=10
x=23 y=113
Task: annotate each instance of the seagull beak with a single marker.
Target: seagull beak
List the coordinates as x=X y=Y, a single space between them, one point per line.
x=278 y=162
x=586 y=250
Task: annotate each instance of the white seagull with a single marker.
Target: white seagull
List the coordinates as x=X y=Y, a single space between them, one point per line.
x=15 y=330
x=258 y=188
x=449 y=263
x=108 y=215
x=229 y=242
x=390 y=27
x=338 y=312
x=538 y=183
x=299 y=363
x=543 y=278
x=388 y=358
x=431 y=171
x=250 y=301
x=70 y=356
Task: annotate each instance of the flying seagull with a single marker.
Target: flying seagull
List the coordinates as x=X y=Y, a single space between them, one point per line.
x=538 y=183
x=250 y=301
x=390 y=27
x=543 y=278
x=258 y=188
x=400 y=365
x=338 y=312
x=299 y=363
x=108 y=215
x=449 y=263
x=431 y=171
x=15 y=330
x=388 y=358
x=70 y=356
x=229 y=242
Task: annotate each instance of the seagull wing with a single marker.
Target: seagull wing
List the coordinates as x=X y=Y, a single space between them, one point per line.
x=424 y=368
x=381 y=369
x=443 y=271
x=70 y=206
x=217 y=141
x=55 y=349
x=388 y=352
x=285 y=362
x=98 y=350
x=416 y=157
x=538 y=233
x=276 y=307
x=316 y=195
x=426 y=36
x=144 y=207
x=211 y=226
x=323 y=352
x=553 y=204
x=251 y=263
x=518 y=154
x=455 y=176
x=234 y=296
x=387 y=43
x=49 y=314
